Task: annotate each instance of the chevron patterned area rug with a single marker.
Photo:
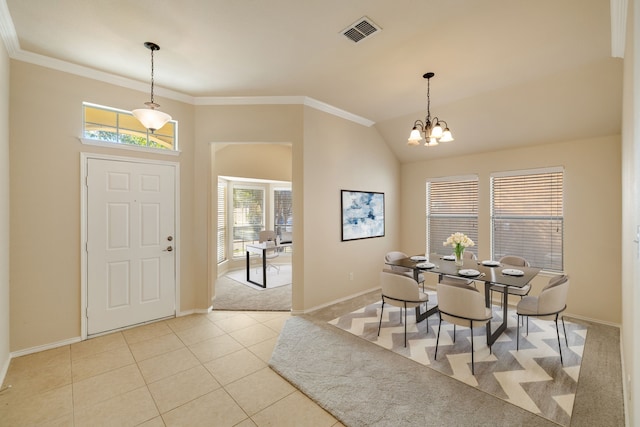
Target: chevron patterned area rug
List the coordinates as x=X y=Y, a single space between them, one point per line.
x=531 y=378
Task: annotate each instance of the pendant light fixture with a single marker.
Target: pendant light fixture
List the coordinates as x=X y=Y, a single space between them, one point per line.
x=151 y=118
x=430 y=130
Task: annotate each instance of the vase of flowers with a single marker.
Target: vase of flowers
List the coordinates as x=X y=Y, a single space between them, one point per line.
x=459 y=242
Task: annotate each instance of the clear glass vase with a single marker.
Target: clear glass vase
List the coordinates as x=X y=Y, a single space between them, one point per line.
x=459 y=257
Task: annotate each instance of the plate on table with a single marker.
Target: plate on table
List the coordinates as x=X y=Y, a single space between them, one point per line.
x=512 y=272
x=469 y=272
x=449 y=257
x=418 y=258
x=426 y=265
x=491 y=263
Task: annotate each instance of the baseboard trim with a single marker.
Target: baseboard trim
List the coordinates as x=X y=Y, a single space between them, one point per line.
x=310 y=310
x=45 y=347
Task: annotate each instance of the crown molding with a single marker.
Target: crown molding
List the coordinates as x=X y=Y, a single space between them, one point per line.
x=10 y=39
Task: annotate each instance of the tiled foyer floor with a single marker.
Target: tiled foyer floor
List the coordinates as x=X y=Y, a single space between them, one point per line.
x=198 y=370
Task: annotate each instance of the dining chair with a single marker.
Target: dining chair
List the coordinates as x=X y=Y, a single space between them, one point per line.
x=551 y=302
x=461 y=305
x=450 y=280
x=268 y=237
x=400 y=291
x=397 y=255
x=515 y=261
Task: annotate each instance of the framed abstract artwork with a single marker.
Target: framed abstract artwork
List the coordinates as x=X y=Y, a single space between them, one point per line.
x=362 y=214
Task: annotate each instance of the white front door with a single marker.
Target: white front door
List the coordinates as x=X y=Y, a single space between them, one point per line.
x=130 y=243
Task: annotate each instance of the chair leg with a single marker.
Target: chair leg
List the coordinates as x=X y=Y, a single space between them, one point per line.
x=472 y=362
x=559 y=346
x=435 y=356
x=518 y=334
x=566 y=340
x=454 y=333
x=405 y=323
x=380 y=324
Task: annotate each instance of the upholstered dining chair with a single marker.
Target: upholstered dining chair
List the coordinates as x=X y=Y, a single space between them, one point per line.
x=400 y=291
x=268 y=237
x=396 y=255
x=461 y=305
x=550 y=303
x=515 y=261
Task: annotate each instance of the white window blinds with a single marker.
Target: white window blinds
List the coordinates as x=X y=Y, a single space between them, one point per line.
x=222 y=221
x=452 y=206
x=527 y=217
x=248 y=216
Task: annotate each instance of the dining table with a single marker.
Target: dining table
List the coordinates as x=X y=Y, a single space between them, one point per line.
x=489 y=272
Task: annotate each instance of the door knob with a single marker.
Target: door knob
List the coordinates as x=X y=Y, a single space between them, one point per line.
x=169 y=249
x=170 y=238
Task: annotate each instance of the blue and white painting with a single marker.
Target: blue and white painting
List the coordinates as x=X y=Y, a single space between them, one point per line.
x=362 y=214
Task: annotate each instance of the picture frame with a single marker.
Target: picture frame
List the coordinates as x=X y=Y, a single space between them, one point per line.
x=362 y=214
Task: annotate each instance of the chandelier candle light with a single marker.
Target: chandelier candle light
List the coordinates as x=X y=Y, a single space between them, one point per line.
x=430 y=128
x=151 y=118
x=459 y=242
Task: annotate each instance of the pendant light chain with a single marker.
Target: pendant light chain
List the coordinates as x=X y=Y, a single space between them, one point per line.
x=152 y=76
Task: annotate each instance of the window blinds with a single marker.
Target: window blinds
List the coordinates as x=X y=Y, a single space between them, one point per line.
x=452 y=206
x=527 y=217
x=222 y=221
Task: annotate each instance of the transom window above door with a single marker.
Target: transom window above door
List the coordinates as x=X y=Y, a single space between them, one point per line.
x=119 y=127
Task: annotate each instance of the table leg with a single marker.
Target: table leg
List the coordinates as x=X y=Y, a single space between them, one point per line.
x=264 y=270
x=492 y=337
x=421 y=316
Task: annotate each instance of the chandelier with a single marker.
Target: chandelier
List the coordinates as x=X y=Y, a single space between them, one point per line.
x=430 y=130
x=151 y=118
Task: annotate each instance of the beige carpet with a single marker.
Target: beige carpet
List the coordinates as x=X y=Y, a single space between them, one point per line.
x=230 y=294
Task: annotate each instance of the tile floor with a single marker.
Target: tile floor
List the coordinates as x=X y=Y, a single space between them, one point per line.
x=198 y=370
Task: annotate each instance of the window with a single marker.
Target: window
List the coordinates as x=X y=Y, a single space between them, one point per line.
x=452 y=206
x=527 y=217
x=282 y=210
x=248 y=216
x=222 y=221
x=121 y=127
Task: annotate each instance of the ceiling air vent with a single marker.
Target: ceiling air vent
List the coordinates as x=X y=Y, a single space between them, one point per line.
x=361 y=29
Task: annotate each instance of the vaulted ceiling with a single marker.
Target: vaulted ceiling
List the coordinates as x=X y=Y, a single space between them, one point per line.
x=507 y=73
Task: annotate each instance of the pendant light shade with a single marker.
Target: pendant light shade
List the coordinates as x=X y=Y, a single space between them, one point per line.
x=151 y=118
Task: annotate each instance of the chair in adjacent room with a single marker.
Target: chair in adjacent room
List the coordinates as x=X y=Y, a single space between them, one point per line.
x=515 y=261
x=461 y=305
x=400 y=291
x=549 y=304
x=396 y=255
x=268 y=237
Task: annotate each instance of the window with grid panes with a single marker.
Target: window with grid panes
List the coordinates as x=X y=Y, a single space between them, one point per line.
x=222 y=221
x=120 y=127
x=282 y=210
x=527 y=217
x=248 y=216
x=452 y=206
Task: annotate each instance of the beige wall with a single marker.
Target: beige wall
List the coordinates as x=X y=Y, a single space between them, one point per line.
x=45 y=198
x=328 y=154
x=592 y=190
x=341 y=155
x=4 y=211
